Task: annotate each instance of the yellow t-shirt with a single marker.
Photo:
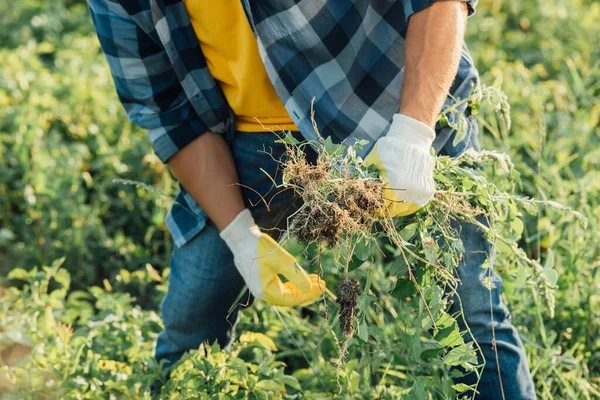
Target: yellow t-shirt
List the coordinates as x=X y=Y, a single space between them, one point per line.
x=232 y=56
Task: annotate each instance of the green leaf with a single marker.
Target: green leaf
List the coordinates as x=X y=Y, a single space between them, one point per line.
x=270 y=386
x=414 y=344
x=429 y=248
x=18 y=273
x=550 y=276
x=450 y=336
x=352 y=364
x=444 y=121
x=461 y=128
x=257 y=395
x=303 y=374
x=63 y=278
x=409 y=231
x=458 y=356
x=461 y=387
x=291 y=382
x=259 y=339
x=330 y=147
x=522 y=275
x=404 y=289
x=549 y=264
x=431 y=349
x=417 y=391
x=360 y=144
x=240 y=367
x=354 y=381
x=486 y=264
x=398 y=267
x=516 y=225
x=503 y=248
x=365 y=249
x=152 y=273
x=363 y=331
x=56 y=264
x=288 y=139
x=444 y=321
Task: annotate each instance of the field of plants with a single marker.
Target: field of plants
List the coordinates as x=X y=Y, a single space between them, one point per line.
x=84 y=258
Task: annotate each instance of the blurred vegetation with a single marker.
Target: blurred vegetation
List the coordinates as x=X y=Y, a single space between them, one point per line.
x=64 y=138
x=546 y=55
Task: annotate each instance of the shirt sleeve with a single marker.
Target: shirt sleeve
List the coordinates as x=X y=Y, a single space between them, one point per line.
x=145 y=80
x=414 y=6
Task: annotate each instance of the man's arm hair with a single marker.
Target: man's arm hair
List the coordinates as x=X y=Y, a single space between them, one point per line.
x=432 y=54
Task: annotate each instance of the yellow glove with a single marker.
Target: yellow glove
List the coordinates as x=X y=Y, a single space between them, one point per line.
x=260 y=260
x=405 y=164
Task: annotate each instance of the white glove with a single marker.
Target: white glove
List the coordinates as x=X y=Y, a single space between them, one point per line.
x=260 y=260
x=405 y=164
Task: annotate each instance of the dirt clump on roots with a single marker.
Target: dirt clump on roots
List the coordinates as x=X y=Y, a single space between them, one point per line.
x=333 y=206
x=323 y=222
x=363 y=199
x=347 y=294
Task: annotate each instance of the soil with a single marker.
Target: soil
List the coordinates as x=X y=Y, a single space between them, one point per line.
x=347 y=294
x=333 y=208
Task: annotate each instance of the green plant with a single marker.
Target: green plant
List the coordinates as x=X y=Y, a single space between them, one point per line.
x=64 y=139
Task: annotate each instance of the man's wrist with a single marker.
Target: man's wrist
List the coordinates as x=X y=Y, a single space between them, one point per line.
x=227 y=216
x=239 y=229
x=418 y=115
x=411 y=131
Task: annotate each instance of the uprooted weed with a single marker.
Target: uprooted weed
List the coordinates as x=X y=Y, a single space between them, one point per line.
x=334 y=206
x=343 y=201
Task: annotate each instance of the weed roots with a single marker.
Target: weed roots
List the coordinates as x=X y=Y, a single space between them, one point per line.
x=334 y=207
x=339 y=205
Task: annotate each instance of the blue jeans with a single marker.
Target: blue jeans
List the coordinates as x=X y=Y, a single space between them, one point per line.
x=204 y=282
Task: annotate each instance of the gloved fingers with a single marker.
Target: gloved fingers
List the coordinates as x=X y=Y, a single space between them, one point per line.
x=289 y=295
x=318 y=289
x=294 y=273
x=304 y=298
x=274 y=258
x=397 y=207
x=402 y=209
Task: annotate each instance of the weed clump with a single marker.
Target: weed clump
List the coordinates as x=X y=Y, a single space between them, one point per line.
x=334 y=206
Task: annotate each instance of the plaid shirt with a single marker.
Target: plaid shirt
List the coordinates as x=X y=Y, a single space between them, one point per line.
x=346 y=55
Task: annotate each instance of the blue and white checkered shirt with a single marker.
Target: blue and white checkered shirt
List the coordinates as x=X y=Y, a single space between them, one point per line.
x=346 y=55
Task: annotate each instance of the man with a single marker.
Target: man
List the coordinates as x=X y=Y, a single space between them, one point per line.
x=209 y=80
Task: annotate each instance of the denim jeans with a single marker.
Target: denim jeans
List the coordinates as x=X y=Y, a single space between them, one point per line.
x=204 y=282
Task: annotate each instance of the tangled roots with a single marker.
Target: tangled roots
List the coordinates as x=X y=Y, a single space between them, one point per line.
x=333 y=207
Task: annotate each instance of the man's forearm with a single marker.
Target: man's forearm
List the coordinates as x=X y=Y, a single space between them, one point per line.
x=207 y=171
x=432 y=54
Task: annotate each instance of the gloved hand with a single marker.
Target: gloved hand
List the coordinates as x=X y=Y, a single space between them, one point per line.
x=405 y=164
x=260 y=260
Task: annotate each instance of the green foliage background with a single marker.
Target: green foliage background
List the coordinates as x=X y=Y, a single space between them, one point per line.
x=64 y=138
